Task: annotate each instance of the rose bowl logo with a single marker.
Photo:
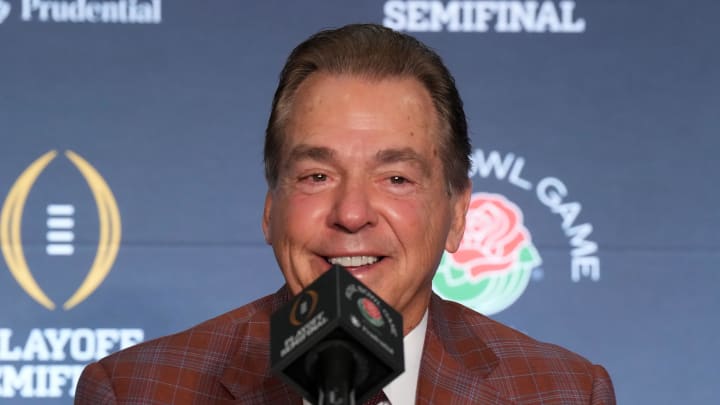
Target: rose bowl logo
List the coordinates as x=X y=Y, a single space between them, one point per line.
x=493 y=265
x=370 y=312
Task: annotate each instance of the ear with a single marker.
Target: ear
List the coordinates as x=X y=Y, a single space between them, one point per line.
x=459 y=203
x=266 y=218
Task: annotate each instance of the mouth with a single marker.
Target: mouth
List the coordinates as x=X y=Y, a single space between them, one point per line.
x=352 y=262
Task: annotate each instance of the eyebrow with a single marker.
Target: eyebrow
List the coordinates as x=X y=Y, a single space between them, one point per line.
x=309 y=152
x=386 y=156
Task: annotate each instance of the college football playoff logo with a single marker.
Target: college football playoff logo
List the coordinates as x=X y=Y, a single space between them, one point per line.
x=303 y=307
x=493 y=265
x=11 y=230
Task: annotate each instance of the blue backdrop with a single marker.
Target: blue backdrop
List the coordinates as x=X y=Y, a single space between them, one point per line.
x=597 y=121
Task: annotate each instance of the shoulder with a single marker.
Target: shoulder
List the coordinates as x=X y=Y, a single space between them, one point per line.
x=193 y=360
x=521 y=365
x=211 y=340
x=504 y=341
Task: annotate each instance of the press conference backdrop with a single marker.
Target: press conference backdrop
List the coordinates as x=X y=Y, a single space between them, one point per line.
x=132 y=188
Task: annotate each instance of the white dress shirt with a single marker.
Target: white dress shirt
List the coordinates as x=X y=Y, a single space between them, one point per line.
x=402 y=390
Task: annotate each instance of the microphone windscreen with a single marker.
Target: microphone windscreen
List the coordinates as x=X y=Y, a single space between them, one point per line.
x=337 y=308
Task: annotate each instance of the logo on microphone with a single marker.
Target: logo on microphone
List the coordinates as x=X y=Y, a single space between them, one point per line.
x=493 y=265
x=4 y=10
x=60 y=224
x=303 y=307
x=370 y=312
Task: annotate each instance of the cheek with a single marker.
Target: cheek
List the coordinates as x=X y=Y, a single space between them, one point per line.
x=402 y=212
x=297 y=214
x=415 y=222
x=429 y=225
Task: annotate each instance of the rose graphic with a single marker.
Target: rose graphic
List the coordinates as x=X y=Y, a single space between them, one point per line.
x=494 y=234
x=370 y=311
x=493 y=264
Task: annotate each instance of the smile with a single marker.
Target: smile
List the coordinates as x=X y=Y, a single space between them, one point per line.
x=353 y=261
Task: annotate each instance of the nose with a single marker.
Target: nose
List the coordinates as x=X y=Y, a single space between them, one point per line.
x=352 y=208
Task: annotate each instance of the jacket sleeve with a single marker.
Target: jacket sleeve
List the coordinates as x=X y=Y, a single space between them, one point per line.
x=94 y=387
x=603 y=392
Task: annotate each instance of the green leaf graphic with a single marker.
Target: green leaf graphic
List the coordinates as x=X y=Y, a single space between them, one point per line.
x=462 y=292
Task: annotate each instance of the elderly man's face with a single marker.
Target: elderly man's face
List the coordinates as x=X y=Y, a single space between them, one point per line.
x=361 y=184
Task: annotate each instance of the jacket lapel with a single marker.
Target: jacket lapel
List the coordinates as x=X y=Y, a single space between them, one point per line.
x=260 y=390
x=455 y=363
x=248 y=378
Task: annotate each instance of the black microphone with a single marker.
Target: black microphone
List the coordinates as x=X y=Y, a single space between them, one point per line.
x=336 y=342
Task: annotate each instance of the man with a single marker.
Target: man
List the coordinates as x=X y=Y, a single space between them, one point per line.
x=366 y=159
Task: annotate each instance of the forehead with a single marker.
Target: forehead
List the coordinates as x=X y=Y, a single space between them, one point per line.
x=395 y=109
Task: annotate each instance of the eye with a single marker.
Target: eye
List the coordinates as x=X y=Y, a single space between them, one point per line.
x=315 y=177
x=398 y=180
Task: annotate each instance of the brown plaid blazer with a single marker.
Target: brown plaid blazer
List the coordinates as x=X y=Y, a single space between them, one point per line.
x=468 y=359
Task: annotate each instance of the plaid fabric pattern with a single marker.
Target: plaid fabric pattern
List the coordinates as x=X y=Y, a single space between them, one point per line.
x=467 y=359
x=222 y=361
x=471 y=359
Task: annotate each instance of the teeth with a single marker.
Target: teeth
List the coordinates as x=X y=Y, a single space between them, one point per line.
x=353 y=261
